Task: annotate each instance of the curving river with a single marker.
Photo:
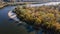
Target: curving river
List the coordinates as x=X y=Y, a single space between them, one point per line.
x=8 y=26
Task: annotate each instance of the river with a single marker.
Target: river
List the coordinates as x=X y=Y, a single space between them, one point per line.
x=8 y=26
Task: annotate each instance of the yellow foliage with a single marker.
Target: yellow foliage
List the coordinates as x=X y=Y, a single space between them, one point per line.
x=49 y=15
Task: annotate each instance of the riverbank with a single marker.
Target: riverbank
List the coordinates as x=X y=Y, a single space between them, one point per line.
x=2 y=4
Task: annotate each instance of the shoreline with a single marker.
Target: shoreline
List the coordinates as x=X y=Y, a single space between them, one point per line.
x=2 y=6
x=12 y=4
x=13 y=16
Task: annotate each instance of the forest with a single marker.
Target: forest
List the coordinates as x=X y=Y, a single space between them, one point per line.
x=45 y=17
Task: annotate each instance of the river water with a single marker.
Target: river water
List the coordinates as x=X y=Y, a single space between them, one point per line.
x=8 y=26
